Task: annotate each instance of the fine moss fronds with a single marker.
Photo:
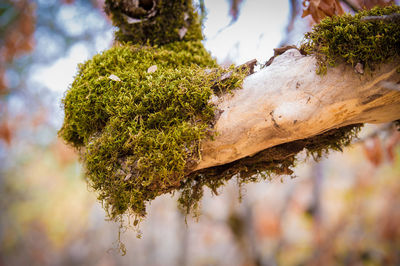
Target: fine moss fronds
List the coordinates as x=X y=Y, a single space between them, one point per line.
x=350 y=39
x=138 y=115
x=167 y=22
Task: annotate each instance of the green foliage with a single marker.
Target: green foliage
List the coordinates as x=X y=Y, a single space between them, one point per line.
x=163 y=28
x=139 y=130
x=350 y=39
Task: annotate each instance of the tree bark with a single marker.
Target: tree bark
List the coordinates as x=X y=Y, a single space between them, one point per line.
x=288 y=101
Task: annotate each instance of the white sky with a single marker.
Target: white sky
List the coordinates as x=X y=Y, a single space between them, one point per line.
x=258 y=30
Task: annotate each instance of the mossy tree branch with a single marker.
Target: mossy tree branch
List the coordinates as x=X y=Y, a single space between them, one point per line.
x=149 y=117
x=288 y=101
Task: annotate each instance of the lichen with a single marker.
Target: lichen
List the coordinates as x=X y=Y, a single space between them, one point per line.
x=352 y=40
x=139 y=130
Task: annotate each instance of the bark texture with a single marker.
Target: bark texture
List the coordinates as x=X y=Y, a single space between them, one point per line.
x=288 y=101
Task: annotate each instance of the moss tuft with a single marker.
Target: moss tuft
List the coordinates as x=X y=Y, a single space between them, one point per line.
x=350 y=39
x=138 y=114
x=164 y=23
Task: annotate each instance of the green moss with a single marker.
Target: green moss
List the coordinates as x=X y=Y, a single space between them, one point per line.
x=164 y=26
x=138 y=112
x=350 y=39
x=138 y=130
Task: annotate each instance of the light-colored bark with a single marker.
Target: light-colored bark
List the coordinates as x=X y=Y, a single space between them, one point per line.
x=288 y=101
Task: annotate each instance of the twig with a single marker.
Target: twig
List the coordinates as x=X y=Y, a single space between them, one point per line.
x=352 y=6
x=386 y=18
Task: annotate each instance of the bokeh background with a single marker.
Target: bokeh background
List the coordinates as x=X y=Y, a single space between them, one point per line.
x=342 y=210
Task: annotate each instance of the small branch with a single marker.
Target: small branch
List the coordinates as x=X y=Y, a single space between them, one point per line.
x=350 y=5
x=386 y=18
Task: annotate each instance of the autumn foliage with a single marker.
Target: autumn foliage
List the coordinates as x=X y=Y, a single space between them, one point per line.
x=319 y=9
x=16 y=33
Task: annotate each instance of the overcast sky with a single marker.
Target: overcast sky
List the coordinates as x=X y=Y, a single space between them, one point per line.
x=257 y=31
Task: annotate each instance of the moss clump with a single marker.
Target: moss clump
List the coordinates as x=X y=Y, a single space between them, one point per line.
x=350 y=39
x=138 y=112
x=167 y=22
x=138 y=130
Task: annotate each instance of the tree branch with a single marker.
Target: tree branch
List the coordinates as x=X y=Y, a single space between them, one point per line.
x=350 y=5
x=387 y=18
x=288 y=101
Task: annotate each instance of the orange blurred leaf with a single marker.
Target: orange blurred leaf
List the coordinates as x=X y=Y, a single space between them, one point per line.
x=268 y=225
x=3 y=83
x=373 y=150
x=393 y=141
x=6 y=132
x=19 y=34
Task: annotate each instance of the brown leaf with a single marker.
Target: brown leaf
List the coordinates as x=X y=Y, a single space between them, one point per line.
x=114 y=77
x=152 y=69
x=319 y=9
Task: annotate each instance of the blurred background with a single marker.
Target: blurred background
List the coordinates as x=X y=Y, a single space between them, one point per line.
x=343 y=210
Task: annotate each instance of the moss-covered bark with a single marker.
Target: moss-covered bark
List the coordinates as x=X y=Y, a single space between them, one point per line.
x=139 y=114
x=352 y=40
x=139 y=111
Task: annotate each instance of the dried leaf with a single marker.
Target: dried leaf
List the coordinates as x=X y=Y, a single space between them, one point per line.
x=182 y=32
x=152 y=69
x=319 y=9
x=114 y=77
x=359 y=68
x=127 y=177
x=132 y=20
